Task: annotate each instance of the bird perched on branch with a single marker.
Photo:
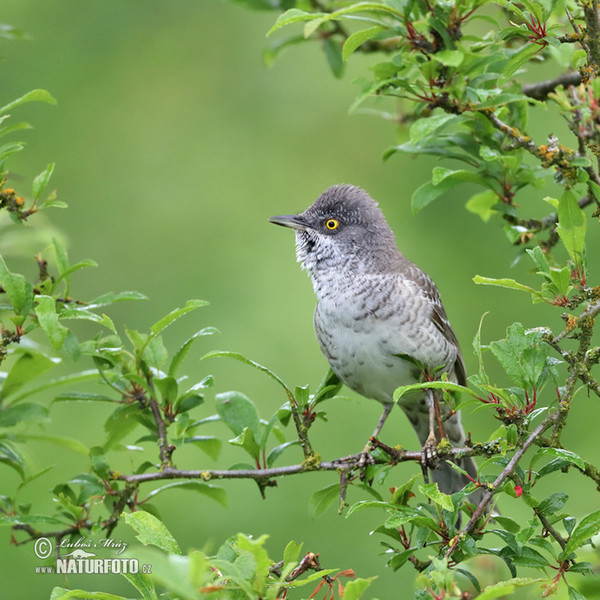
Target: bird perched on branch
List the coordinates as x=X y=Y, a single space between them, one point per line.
x=379 y=319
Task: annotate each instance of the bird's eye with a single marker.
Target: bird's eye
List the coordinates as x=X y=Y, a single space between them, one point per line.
x=332 y=224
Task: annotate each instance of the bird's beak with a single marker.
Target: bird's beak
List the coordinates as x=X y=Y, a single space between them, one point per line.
x=292 y=221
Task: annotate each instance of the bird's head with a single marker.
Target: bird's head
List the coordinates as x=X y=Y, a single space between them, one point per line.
x=343 y=228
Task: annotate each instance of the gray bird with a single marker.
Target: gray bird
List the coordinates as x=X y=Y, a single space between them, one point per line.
x=379 y=319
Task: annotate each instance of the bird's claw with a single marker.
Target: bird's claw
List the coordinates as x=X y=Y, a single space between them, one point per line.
x=364 y=460
x=429 y=454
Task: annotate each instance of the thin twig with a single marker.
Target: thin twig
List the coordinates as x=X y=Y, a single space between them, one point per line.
x=506 y=472
x=541 y=90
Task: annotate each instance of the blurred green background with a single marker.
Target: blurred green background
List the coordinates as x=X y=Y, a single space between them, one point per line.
x=174 y=144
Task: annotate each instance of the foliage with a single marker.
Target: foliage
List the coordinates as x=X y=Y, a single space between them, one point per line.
x=454 y=72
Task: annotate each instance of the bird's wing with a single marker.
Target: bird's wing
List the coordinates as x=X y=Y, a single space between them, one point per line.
x=438 y=316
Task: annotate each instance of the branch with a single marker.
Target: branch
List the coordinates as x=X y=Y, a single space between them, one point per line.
x=165 y=450
x=506 y=472
x=345 y=463
x=541 y=90
x=591 y=312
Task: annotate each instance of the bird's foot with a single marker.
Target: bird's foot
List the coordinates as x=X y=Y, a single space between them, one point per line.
x=429 y=454
x=364 y=460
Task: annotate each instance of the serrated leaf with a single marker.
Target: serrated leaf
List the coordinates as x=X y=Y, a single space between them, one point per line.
x=152 y=531
x=41 y=181
x=358 y=38
x=428 y=125
x=449 y=58
x=210 y=445
x=26 y=412
x=48 y=319
x=238 y=412
x=321 y=499
x=278 y=450
x=28 y=366
x=353 y=590
x=81 y=377
x=519 y=58
x=247 y=361
x=585 y=529
x=216 y=493
x=572 y=225
x=17 y=288
x=185 y=348
x=12 y=458
x=111 y=297
x=163 y=323
x=482 y=204
x=432 y=491
x=333 y=54
x=293 y=15
x=32 y=96
x=510 y=284
x=506 y=588
x=248 y=442
x=552 y=504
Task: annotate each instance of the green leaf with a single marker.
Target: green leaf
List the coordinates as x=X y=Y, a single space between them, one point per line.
x=248 y=442
x=110 y=298
x=519 y=58
x=442 y=180
x=86 y=315
x=17 y=288
x=321 y=500
x=566 y=455
x=358 y=38
x=247 y=361
x=81 y=377
x=353 y=590
x=428 y=125
x=163 y=323
x=238 y=412
x=572 y=225
x=61 y=441
x=482 y=204
x=278 y=450
x=216 y=493
x=573 y=593
x=293 y=15
x=185 y=348
x=506 y=588
x=41 y=181
x=271 y=53
x=28 y=366
x=333 y=54
x=33 y=96
x=261 y=558
x=585 y=529
x=27 y=413
x=510 y=284
x=552 y=504
x=48 y=319
x=449 y=58
x=151 y=531
x=432 y=491
x=210 y=445
x=100 y=465
x=432 y=385
x=10 y=457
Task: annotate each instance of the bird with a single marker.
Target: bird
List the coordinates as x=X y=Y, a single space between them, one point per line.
x=379 y=319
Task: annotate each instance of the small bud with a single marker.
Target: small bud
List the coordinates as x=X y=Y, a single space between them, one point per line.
x=518 y=491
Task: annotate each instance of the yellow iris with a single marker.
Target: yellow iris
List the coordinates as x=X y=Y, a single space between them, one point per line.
x=331 y=224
